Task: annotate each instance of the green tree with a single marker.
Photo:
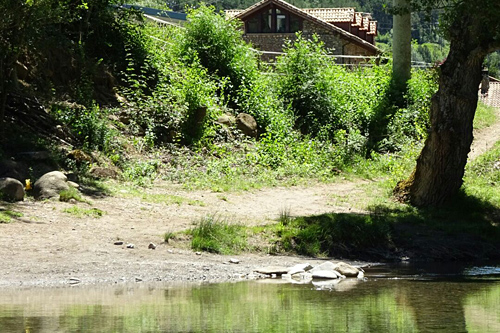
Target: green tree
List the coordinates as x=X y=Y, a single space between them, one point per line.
x=473 y=28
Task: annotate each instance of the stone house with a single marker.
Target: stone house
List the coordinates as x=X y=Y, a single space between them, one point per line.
x=344 y=31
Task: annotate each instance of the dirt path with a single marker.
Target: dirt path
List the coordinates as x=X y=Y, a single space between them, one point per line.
x=485 y=138
x=50 y=247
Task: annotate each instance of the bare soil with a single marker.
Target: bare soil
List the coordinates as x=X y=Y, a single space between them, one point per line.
x=49 y=247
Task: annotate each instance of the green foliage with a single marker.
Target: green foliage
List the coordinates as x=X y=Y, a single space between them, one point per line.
x=218 y=236
x=141 y=172
x=71 y=193
x=335 y=235
x=482 y=177
x=412 y=123
x=87 y=124
x=485 y=116
x=216 y=44
x=84 y=212
x=7 y=215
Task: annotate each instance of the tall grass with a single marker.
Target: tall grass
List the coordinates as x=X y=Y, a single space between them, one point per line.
x=216 y=235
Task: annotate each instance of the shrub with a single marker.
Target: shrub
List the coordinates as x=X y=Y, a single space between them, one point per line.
x=215 y=43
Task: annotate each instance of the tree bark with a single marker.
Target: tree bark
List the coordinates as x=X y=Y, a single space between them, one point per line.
x=441 y=164
x=401 y=47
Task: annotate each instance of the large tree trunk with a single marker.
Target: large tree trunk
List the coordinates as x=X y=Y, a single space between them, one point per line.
x=441 y=164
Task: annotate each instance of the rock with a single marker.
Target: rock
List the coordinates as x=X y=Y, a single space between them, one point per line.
x=234 y=261
x=226 y=119
x=361 y=275
x=269 y=270
x=346 y=269
x=247 y=124
x=299 y=268
x=152 y=246
x=11 y=189
x=130 y=246
x=50 y=185
x=79 y=156
x=99 y=172
x=73 y=184
x=118 y=243
x=14 y=169
x=326 y=274
x=326 y=266
x=198 y=253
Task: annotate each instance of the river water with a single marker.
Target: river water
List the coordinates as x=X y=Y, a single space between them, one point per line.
x=402 y=298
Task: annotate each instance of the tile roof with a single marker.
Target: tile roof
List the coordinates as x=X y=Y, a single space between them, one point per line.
x=332 y=15
x=372 y=30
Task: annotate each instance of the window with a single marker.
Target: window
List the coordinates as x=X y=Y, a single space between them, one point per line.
x=273 y=20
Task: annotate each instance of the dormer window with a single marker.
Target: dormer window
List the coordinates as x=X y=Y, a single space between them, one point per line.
x=273 y=20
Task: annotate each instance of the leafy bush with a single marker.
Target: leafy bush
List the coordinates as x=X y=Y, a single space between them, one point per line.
x=87 y=124
x=215 y=43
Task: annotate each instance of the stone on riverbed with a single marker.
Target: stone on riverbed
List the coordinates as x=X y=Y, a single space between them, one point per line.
x=299 y=268
x=346 y=269
x=268 y=270
x=325 y=274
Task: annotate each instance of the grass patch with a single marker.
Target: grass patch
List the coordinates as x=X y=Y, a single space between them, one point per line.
x=218 y=236
x=168 y=236
x=7 y=215
x=83 y=212
x=485 y=116
x=71 y=193
x=333 y=235
x=482 y=177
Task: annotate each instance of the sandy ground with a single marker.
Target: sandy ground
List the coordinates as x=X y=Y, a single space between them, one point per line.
x=49 y=247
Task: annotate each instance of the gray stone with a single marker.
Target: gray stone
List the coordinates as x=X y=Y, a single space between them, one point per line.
x=227 y=120
x=130 y=246
x=269 y=270
x=234 y=261
x=346 y=269
x=50 y=185
x=247 y=124
x=326 y=274
x=326 y=266
x=118 y=243
x=11 y=189
x=299 y=268
x=152 y=246
x=100 y=172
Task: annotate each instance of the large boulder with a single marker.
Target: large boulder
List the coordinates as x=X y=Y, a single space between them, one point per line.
x=11 y=189
x=50 y=185
x=247 y=124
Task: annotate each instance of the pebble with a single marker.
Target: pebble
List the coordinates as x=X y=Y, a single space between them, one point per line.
x=118 y=243
x=234 y=261
x=130 y=246
x=198 y=253
x=152 y=246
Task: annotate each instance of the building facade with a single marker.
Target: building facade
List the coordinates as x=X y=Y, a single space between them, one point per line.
x=345 y=32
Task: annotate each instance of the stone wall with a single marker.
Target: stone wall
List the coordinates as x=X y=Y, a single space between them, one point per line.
x=274 y=42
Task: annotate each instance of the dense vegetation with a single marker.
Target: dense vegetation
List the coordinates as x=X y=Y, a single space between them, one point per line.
x=161 y=116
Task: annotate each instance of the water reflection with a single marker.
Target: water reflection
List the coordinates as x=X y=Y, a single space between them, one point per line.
x=375 y=305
